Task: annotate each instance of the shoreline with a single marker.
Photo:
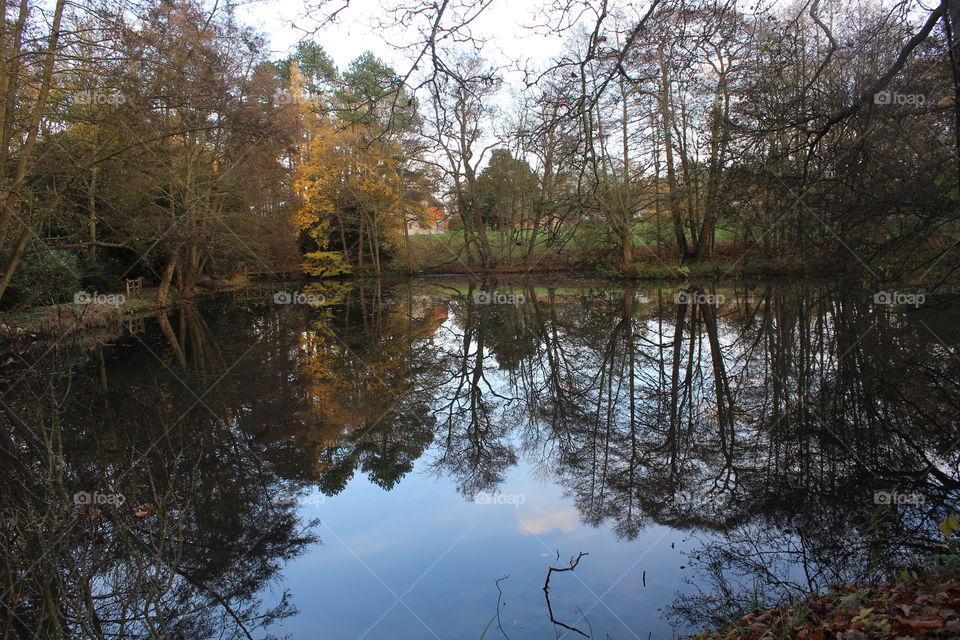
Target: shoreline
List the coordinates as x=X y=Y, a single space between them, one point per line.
x=59 y=320
x=65 y=318
x=926 y=606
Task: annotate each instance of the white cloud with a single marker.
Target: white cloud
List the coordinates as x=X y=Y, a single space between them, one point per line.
x=546 y=520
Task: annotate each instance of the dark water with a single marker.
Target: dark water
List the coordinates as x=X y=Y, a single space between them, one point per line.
x=408 y=461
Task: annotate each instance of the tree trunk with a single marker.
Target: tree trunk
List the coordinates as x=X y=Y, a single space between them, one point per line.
x=163 y=289
x=12 y=200
x=626 y=234
x=14 y=261
x=92 y=216
x=362 y=230
x=189 y=272
x=718 y=145
x=666 y=119
x=406 y=242
x=33 y=126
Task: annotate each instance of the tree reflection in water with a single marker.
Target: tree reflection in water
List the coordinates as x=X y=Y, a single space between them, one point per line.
x=763 y=426
x=189 y=529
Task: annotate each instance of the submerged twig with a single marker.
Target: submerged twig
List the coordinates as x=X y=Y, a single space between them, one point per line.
x=499 y=601
x=546 y=593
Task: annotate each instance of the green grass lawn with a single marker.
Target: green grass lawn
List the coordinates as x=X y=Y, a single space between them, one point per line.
x=584 y=236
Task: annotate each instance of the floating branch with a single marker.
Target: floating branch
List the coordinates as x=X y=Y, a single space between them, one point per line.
x=546 y=591
x=499 y=602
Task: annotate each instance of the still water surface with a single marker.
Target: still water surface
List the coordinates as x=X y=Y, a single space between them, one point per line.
x=409 y=460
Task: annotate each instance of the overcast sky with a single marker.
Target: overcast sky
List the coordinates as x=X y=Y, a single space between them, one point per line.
x=356 y=31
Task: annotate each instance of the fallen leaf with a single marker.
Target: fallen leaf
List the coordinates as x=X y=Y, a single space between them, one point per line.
x=144 y=510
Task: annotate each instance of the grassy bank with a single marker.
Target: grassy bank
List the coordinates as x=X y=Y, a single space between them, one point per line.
x=62 y=319
x=594 y=251
x=436 y=255
x=510 y=245
x=98 y=311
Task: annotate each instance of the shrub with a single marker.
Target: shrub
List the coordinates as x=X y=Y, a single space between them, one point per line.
x=42 y=278
x=323 y=264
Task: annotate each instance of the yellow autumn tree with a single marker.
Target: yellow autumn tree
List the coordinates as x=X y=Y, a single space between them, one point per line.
x=351 y=192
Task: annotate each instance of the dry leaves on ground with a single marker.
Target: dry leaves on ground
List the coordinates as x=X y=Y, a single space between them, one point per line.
x=926 y=607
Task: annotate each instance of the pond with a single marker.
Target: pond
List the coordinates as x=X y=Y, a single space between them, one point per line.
x=360 y=459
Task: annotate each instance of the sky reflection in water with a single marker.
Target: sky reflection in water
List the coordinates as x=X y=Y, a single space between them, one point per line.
x=733 y=436
x=443 y=554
